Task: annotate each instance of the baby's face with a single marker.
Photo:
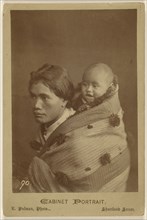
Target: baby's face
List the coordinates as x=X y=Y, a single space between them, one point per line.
x=94 y=85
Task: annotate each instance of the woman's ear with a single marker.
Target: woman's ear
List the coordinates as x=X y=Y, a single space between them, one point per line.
x=64 y=103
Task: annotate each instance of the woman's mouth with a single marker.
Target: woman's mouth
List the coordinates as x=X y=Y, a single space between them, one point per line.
x=38 y=114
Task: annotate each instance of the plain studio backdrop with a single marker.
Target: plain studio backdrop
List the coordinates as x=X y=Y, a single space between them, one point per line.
x=74 y=40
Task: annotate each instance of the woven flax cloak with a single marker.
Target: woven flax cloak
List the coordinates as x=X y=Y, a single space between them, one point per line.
x=84 y=154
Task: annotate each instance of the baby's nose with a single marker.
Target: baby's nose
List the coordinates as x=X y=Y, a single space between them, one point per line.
x=89 y=88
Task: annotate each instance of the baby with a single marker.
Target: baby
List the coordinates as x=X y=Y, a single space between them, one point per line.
x=98 y=83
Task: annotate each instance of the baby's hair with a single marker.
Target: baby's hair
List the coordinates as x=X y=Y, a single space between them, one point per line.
x=105 y=69
x=103 y=66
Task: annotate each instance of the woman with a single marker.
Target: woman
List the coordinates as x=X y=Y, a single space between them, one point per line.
x=51 y=91
x=69 y=156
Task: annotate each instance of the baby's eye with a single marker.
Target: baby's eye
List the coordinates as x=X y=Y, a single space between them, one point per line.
x=84 y=84
x=95 y=85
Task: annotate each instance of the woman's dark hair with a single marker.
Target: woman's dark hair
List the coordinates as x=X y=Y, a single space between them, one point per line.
x=56 y=78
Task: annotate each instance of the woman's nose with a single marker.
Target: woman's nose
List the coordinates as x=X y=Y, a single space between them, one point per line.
x=37 y=104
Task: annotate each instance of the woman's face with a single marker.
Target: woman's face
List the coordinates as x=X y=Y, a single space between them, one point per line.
x=47 y=107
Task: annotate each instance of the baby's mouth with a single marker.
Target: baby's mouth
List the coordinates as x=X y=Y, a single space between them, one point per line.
x=89 y=95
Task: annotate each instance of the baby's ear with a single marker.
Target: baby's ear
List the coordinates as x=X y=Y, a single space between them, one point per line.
x=112 y=87
x=115 y=80
x=114 y=84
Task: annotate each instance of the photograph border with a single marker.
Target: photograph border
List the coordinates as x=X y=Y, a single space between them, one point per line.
x=136 y=199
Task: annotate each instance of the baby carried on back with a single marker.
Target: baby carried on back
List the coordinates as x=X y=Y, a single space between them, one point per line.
x=88 y=152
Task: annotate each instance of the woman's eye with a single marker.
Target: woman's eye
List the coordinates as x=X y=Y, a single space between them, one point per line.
x=45 y=98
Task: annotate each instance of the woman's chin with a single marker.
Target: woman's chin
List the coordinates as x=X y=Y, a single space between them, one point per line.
x=40 y=120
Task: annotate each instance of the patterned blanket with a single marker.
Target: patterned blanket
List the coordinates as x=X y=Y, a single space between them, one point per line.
x=87 y=153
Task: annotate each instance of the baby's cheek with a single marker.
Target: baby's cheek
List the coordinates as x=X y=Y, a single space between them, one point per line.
x=83 y=91
x=82 y=88
x=99 y=92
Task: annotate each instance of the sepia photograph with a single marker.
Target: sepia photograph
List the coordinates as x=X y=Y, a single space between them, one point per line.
x=76 y=109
